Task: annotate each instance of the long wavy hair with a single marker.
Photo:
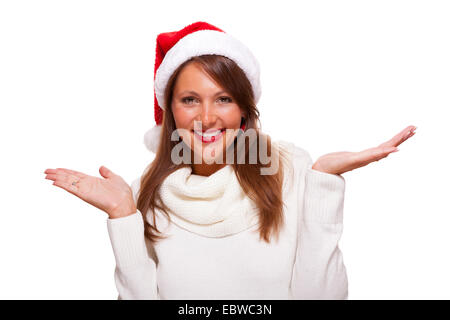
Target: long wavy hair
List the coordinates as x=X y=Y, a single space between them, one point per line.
x=264 y=190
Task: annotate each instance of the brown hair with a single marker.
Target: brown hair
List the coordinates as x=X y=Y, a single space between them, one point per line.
x=264 y=190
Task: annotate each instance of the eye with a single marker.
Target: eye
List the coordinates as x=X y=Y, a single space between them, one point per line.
x=225 y=99
x=187 y=100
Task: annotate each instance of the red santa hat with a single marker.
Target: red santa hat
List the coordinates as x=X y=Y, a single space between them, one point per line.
x=196 y=39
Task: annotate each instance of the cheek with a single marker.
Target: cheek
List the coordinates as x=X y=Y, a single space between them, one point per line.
x=231 y=117
x=182 y=117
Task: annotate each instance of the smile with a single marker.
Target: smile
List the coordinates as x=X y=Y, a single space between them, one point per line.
x=209 y=137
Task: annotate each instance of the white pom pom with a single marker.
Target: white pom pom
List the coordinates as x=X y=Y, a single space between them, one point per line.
x=151 y=138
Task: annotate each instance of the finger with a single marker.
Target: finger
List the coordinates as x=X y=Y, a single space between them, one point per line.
x=399 y=138
x=105 y=172
x=406 y=137
x=402 y=136
x=73 y=172
x=411 y=134
x=64 y=170
x=73 y=189
x=50 y=171
x=62 y=177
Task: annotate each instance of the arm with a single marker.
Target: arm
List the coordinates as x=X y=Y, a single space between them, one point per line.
x=135 y=272
x=319 y=271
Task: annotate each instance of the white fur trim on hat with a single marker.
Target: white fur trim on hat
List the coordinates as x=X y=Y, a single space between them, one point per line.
x=207 y=42
x=151 y=138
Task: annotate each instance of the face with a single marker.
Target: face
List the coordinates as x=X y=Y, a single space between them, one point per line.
x=206 y=116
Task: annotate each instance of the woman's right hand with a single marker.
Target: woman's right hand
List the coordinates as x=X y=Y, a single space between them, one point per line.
x=111 y=195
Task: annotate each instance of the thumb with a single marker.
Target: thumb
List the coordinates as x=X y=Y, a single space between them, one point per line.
x=105 y=172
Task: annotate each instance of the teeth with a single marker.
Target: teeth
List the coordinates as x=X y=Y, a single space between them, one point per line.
x=209 y=135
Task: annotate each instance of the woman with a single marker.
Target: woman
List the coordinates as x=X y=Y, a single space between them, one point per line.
x=222 y=212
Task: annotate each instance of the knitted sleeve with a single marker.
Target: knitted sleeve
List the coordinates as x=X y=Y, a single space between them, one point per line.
x=135 y=272
x=319 y=271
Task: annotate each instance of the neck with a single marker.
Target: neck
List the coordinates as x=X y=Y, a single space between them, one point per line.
x=206 y=170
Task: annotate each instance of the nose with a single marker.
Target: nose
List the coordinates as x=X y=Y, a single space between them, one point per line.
x=208 y=116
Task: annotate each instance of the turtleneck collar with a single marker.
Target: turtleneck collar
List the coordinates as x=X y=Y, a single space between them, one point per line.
x=211 y=206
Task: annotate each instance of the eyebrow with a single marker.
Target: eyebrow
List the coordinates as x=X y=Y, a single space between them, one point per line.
x=196 y=94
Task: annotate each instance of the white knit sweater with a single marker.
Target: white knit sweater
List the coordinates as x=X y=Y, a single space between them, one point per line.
x=213 y=250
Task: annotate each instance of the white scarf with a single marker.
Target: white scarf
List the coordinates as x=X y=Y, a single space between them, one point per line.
x=212 y=206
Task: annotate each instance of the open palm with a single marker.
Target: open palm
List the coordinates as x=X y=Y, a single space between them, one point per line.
x=343 y=161
x=111 y=194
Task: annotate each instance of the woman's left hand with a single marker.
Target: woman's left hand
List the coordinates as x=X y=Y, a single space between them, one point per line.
x=340 y=162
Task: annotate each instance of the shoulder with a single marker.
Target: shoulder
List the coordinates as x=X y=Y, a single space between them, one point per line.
x=295 y=155
x=296 y=160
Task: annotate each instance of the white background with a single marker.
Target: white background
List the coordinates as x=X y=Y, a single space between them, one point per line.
x=76 y=91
